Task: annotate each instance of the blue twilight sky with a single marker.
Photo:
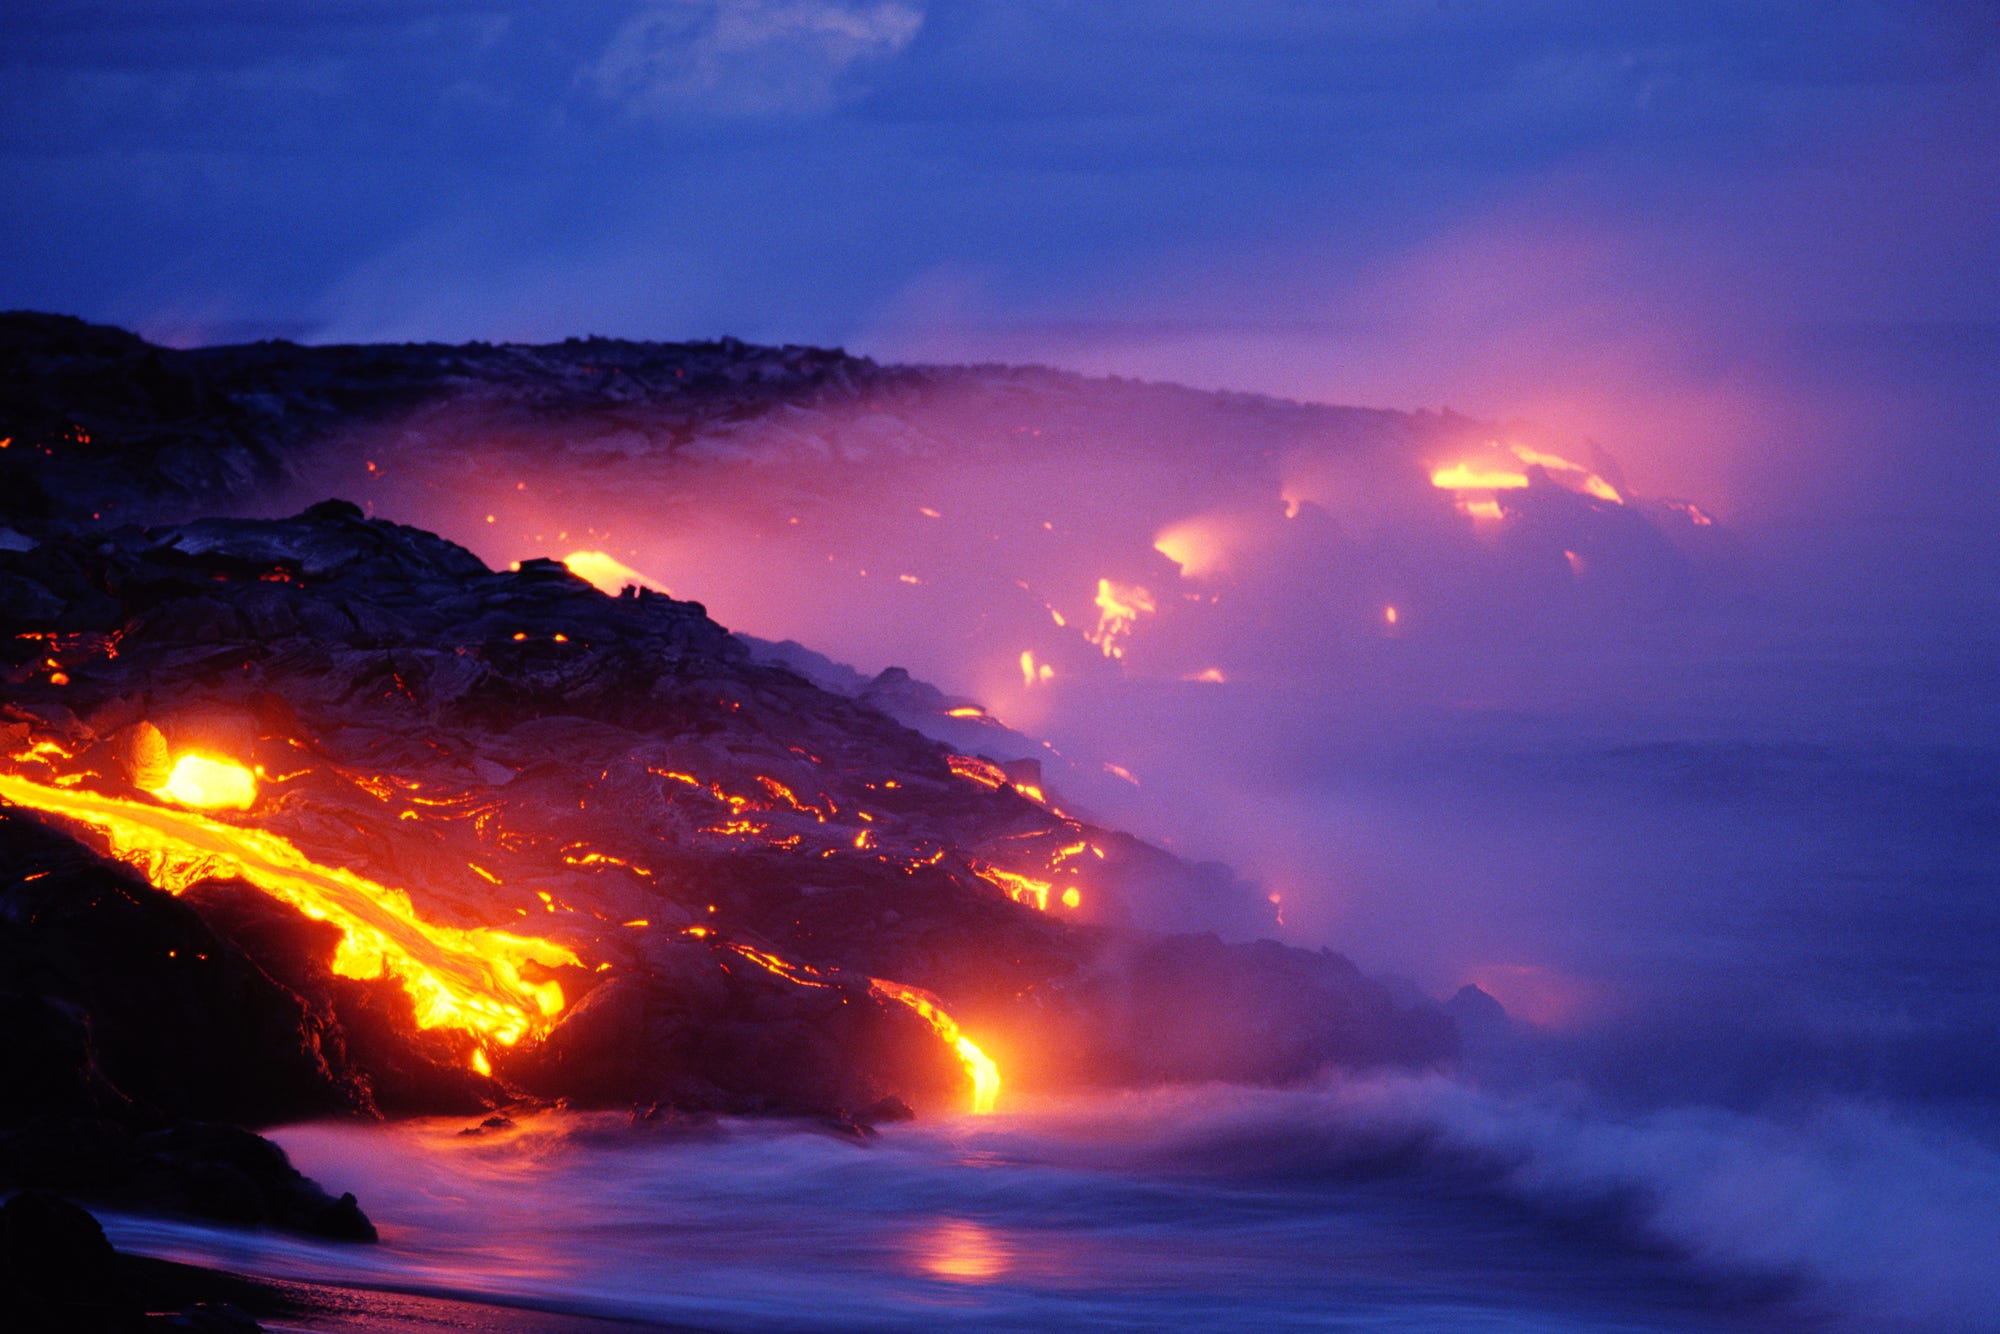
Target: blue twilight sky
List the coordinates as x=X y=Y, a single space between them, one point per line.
x=1639 y=220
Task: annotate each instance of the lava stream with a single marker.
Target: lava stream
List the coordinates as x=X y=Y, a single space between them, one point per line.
x=467 y=979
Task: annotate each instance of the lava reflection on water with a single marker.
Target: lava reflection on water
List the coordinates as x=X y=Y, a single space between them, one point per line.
x=960 y=1251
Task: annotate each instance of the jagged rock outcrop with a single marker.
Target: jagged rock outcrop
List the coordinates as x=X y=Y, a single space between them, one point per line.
x=131 y=1027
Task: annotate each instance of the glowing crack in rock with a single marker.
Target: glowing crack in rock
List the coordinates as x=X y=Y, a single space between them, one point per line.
x=1020 y=888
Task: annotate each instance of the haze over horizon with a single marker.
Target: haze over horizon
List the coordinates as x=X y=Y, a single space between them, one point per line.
x=1701 y=236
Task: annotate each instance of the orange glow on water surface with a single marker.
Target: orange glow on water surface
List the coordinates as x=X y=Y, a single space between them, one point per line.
x=960 y=1251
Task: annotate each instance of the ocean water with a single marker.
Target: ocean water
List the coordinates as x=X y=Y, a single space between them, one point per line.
x=1401 y=1203
x=1752 y=1085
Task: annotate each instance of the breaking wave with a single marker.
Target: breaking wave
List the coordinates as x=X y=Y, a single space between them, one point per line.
x=1402 y=1203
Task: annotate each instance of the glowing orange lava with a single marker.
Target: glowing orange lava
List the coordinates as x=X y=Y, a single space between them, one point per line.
x=478 y=981
x=1192 y=545
x=1504 y=468
x=979 y=1067
x=1469 y=477
x=1119 y=607
x=1020 y=888
x=983 y=772
x=985 y=1075
x=466 y=979
x=607 y=573
x=209 y=784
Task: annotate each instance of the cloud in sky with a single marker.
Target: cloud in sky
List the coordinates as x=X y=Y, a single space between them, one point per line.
x=749 y=57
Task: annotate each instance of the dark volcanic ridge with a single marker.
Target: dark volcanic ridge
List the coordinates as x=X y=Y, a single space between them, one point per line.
x=106 y=426
x=947 y=519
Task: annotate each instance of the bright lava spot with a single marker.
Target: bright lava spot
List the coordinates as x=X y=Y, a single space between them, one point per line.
x=1020 y=888
x=607 y=573
x=1190 y=545
x=1072 y=897
x=1119 y=607
x=209 y=784
x=1504 y=468
x=1466 y=477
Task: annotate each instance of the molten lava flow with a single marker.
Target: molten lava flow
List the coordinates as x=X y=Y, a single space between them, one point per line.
x=1469 y=477
x=985 y=1074
x=208 y=784
x=983 y=772
x=1580 y=476
x=1119 y=607
x=1504 y=468
x=979 y=1067
x=1692 y=512
x=1020 y=888
x=470 y=980
x=607 y=573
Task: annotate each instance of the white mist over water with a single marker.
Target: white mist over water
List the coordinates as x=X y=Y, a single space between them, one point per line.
x=1408 y=1203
